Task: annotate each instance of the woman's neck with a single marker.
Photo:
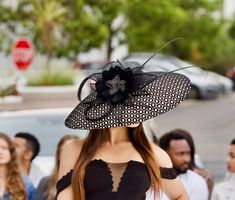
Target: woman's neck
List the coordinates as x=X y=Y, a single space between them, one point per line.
x=118 y=135
x=3 y=172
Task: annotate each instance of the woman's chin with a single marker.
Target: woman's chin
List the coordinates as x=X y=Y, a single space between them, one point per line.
x=133 y=125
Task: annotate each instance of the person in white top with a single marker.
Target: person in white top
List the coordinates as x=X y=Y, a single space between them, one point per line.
x=27 y=148
x=226 y=189
x=179 y=151
x=194 y=184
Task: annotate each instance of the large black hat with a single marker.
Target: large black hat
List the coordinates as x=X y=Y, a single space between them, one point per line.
x=122 y=94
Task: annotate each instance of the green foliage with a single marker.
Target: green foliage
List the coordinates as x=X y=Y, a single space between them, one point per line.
x=7 y=27
x=9 y=90
x=58 y=28
x=107 y=12
x=195 y=5
x=81 y=30
x=219 y=55
x=205 y=41
x=152 y=23
x=43 y=19
x=232 y=30
x=52 y=78
x=63 y=28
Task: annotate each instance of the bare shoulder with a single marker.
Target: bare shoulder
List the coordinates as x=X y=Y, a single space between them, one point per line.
x=69 y=156
x=73 y=148
x=162 y=157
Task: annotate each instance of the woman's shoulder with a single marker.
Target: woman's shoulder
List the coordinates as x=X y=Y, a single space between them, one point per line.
x=73 y=145
x=69 y=156
x=162 y=157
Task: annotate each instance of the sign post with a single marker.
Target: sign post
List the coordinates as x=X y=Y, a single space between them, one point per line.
x=22 y=54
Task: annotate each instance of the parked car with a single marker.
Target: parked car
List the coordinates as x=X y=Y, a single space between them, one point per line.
x=201 y=86
x=46 y=124
x=225 y=84
x=90 y=67
x=231 y=75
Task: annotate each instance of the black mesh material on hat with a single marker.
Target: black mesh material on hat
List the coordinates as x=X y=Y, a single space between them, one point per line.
x=154 y=94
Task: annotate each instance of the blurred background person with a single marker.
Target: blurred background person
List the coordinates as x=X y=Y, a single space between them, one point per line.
x=27 y=148
x=12 y=185
x=46 y=189
x=178 y=148
x=226 y=189
x=196 y=164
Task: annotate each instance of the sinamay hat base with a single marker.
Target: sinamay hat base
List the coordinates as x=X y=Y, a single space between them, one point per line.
x=159 y=93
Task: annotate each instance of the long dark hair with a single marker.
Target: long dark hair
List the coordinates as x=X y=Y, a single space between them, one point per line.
x=95 y=139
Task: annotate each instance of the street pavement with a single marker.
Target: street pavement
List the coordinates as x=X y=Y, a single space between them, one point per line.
x=44 y=98
x=211 y=122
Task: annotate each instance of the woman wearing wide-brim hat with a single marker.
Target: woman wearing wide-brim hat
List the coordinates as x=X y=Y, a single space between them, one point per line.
x=116 y=161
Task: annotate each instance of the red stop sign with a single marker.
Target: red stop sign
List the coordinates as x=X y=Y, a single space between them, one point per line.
x=22 y=53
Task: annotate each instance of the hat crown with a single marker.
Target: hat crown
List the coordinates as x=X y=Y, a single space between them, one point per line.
x=123 y=65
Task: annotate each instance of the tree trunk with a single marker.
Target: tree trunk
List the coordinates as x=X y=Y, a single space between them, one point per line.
x=48 y=62
x=109 y=45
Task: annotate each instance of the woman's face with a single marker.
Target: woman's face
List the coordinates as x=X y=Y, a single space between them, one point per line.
x=231 y=159
x=5 y=155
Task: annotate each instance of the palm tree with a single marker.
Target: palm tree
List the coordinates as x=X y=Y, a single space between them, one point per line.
x=47 y=16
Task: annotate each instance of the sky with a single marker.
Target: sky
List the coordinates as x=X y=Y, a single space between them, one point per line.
x=229 y=8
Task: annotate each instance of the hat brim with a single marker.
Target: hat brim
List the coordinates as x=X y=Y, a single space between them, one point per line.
x=156 y=98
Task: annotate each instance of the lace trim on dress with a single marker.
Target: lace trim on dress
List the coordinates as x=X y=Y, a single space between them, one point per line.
x=64 y=182
x=117 y=171
x=115 y=175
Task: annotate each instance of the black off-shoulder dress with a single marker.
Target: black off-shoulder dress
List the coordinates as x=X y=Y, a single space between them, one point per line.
x=115 y=181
